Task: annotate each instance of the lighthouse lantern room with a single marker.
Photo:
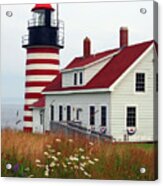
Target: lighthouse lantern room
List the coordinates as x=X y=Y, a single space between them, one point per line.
x=44 y=29
x=44 y=40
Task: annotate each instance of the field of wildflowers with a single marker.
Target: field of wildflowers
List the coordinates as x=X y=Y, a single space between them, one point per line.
x=60 y=156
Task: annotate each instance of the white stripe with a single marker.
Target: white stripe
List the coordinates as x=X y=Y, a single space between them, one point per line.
x=27 y=124
x=42 y=66
x=28 y=113
x=30 y=101
x=42 y=56
x=34 y=89
x=40 y=78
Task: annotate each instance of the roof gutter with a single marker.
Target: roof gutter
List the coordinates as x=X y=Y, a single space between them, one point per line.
x=77 y=91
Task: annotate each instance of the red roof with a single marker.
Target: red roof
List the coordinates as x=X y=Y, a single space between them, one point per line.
x=109 y=73
x=43 y=6
x=40 y=103
x=81 y=61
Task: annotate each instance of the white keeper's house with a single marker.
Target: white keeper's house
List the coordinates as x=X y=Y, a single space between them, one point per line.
x=112 y=93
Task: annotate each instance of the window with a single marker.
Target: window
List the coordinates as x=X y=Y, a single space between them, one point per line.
x=103 y=115
x=140 y=82
x=131 y=116
x=39 y=18
x=157 y=82
x=52 y=113
x=81 y=78
x=68 y=113
x=75 y=78
x=77 y=114
x=41 y=117
x=92 y=115
x=60 y=113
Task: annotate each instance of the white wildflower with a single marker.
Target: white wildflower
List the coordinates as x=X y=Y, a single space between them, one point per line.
x=86 y=173
x=76 y=167
x=91 y=162
x=58 y=140
x=57 y=164
x=52 y=150
x=96 y=159
x=71 y=158
x=58 y=153
x=76 y=159
x=54 y=158
x=49 y=146
x=46 y=153
x=83 y=164
x=70 y=140
x=81 y=168
x=91 y=143
x=37 y=161
x=83 y=157
x=38 y=165
x=52 y=164
x=31 y=176
x=81 y=150
x=87 y=157
x=64 y=165
x=47 y=167
x=47 y=173
x=69 y=163
x=27 y=169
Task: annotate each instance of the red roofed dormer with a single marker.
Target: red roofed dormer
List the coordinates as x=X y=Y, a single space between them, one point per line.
x=43 y=6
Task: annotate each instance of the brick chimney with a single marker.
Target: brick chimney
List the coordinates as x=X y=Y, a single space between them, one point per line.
x=123 y=37
x=86 y=47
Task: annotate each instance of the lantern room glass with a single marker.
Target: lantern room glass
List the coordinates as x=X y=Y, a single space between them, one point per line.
x=39 y=17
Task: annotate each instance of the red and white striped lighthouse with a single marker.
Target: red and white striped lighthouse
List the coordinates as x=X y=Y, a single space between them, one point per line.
x=43 y=43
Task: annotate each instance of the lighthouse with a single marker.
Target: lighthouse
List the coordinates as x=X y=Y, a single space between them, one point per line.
x=44 y=40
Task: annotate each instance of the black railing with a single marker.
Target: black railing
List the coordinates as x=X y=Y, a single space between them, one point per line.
x=58 y=24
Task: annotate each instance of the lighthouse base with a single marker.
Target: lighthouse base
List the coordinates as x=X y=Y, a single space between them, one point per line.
x=28 y=129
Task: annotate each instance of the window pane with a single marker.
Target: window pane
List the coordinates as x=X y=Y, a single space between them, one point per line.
x=52 y=113
x=131 y=116
x=81 y=78
x=68 y=113
x=140 y=82
x=92 y=115
x=60 y=113
x=103 y=116
x=75 y=79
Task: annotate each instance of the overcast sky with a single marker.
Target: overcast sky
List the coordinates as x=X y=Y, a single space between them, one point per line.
x=99 y=21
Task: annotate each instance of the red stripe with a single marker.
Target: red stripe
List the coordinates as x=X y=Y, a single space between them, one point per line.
x=27 y=108
x=27 y=129
x=42 y=61
x=42 y=72
x=37 y=84
x=42 y=50
x=28 y=118
x=32 y=95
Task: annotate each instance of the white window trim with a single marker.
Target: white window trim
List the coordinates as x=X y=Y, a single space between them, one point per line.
x=137 y=115
x=134 y=84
